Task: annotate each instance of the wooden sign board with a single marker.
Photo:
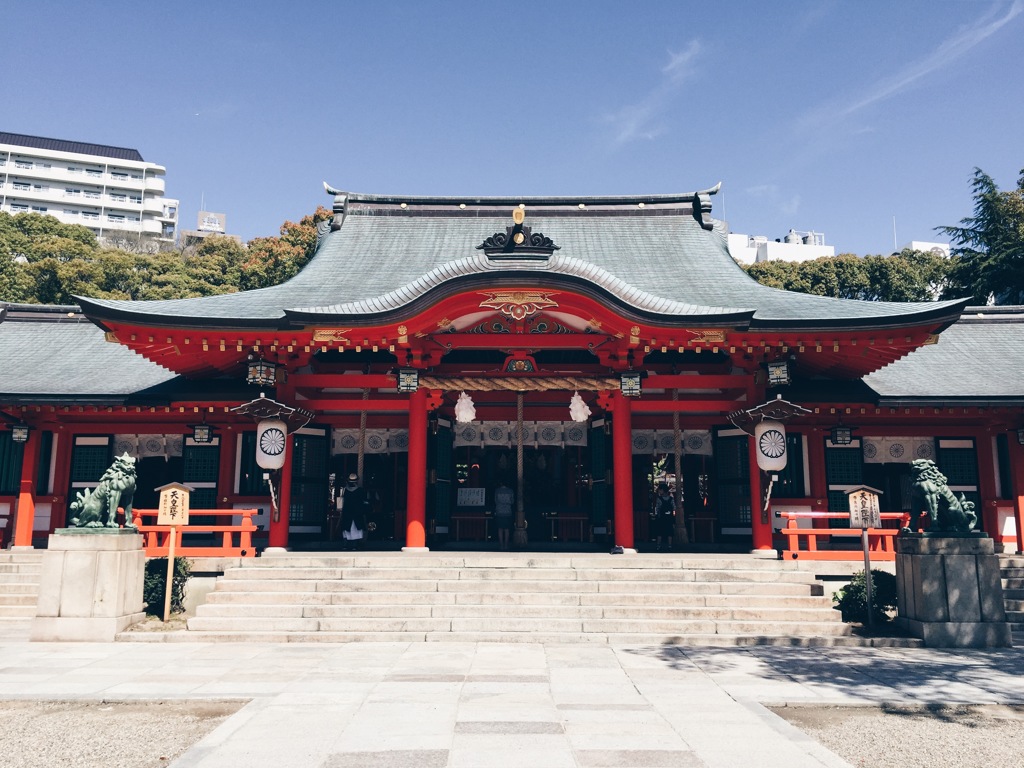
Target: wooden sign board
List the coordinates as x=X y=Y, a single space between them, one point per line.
x=173 y=508
x=864 y=509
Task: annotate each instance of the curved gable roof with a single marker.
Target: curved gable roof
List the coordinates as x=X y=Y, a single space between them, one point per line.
x=657 y=255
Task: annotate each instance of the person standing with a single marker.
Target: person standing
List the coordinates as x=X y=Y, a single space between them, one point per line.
x=664 y=515
x=504 y=500
x=354 y=504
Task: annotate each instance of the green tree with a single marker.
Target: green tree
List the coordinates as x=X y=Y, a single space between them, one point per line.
x=989 y=246
x=272 y=260
x=906 y=276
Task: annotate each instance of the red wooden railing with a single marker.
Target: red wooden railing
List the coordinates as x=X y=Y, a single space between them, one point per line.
x=881 y=541
x=235 y=539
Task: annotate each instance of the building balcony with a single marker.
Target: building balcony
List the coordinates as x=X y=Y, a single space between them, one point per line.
x=155 y=184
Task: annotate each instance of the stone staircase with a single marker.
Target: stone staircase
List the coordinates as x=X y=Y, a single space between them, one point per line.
x=19 y=591
x=1012 y=571
x=511 y=597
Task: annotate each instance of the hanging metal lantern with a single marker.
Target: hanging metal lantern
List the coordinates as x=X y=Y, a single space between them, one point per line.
x=271 y=438
x=261 y=372
x=770 y=439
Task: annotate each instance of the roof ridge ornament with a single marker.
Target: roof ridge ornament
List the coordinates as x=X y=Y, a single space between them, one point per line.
x=518 y=241
x=702 y=206
x=340 y=202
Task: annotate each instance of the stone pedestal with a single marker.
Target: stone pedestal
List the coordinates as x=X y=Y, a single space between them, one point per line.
x=90 y=587
x=949 y=592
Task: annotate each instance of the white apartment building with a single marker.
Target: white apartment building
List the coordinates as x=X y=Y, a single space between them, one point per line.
x=110 y=190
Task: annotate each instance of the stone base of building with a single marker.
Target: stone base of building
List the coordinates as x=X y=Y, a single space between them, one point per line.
x=949 y=591
x=90 y=585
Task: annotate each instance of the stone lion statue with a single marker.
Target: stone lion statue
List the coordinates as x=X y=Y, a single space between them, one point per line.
x=98 y=508
x=929 y=493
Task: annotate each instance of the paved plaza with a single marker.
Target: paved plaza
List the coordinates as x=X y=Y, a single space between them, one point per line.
x=475 y=705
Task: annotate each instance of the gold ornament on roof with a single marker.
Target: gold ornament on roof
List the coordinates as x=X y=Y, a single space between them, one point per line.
x=518 y=304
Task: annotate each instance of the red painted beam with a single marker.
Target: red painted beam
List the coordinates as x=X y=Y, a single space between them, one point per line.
x=353 y=404
x=343 y=381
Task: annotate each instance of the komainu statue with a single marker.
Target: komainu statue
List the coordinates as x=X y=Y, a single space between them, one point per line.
x=929 y=493
x=98 y=508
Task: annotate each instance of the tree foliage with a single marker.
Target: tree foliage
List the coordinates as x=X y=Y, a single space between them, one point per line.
x=906 y=276
x=47 y=262
x=989 y=246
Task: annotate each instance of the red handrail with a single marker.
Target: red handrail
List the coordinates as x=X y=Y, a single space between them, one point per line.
x=881 y=541
x=156 y=538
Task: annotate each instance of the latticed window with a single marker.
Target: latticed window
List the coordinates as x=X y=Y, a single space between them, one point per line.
x=959 y=465
x=89 y=462
x=732 y=462
x=309 y=480
x=10 y=464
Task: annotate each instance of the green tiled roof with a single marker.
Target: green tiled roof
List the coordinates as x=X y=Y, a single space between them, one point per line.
x=979 y=359
x=54 y=354
x=658 y=260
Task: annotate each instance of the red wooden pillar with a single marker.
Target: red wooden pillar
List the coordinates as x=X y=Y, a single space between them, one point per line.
x=61 y=477
x=760 y=519
x=622 y=460
x=278 y=536
x=816 y=469
x=226 y=468
x=1017 y=471
x=25 y=512
x=416 y=497
x=988 y=515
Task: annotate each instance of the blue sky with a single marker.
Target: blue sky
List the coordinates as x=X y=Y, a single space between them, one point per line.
x=831 y=116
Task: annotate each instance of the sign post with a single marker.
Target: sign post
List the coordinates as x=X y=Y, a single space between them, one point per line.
x=865 y=513
x=173 y=511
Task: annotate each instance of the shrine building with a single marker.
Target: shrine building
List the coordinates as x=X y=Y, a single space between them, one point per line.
x=594 y=346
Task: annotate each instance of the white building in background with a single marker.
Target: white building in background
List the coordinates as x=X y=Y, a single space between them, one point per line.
x=795 y=246
x=110 y=190
x=942 y=249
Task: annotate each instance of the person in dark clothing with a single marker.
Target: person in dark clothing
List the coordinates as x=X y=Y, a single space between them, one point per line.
x=354 y=505
x=664 y=515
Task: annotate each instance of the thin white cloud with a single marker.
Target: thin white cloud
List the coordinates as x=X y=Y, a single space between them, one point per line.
x=944 y=55
x=642 y=119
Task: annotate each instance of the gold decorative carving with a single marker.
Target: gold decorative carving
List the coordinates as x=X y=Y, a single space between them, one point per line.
x=402 y=330
x=933 y=338
x=321 y=335
x=518 y=304
x=709 y=335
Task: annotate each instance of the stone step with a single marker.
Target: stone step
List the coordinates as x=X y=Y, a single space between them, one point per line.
x=23 y=598
x=635 y=639
x=1014 y=604
x=33 y=566
x=484 y=586
x=14 y=629
x=515 y=574
x=6 y=556
x=20 y=588
x=18 y=611
x=1014 y=584
x=517 y=560
x=19 y=578
x=1012 y=573
x=520 y=612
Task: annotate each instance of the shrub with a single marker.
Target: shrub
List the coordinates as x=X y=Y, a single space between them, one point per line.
x=852 y=599
x=156 y=577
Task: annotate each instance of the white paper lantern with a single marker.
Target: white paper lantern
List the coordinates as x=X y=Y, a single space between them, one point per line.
x=770 y=439
x=271 y=438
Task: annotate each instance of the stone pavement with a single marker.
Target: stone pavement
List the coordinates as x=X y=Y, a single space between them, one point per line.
x=476 y=705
